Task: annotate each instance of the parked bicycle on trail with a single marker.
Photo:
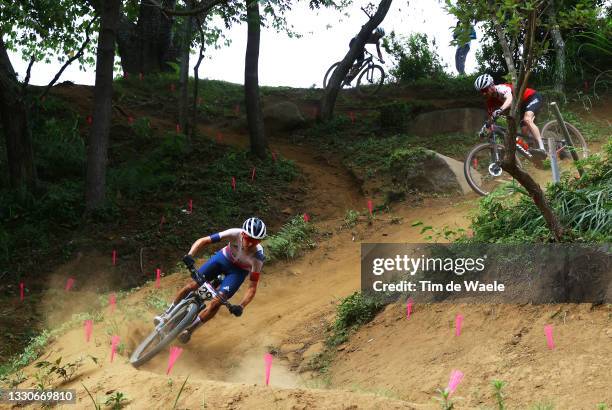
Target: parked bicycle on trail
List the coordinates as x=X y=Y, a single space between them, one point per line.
x=214 y=282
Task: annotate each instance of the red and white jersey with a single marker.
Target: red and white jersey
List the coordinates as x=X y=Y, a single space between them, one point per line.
x=502 y=91
x=251 y=259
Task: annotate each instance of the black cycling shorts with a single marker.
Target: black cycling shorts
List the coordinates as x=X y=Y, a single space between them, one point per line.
x=533 y=104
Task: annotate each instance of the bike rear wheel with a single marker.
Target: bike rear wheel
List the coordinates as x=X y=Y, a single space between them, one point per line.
x=159 y=339
x=482 y=171
x=371 y=80
x=329 y=73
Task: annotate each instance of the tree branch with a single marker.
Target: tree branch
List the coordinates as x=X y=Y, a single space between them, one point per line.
x=78 y=55
x=26 y=81
x=203 y=7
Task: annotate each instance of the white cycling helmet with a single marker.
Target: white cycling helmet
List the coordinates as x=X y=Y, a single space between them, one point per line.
x=483 y=81
x=255 y=228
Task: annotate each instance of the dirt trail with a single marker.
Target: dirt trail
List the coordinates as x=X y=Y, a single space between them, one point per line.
x=290 y=298
x=295 y=301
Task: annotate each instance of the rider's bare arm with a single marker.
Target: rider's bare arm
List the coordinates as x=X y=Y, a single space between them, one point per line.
x=250 y=292
x=507 y=102
x=199 y=244
x=378 y=50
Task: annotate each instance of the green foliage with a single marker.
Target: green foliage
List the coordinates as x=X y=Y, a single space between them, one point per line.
x=142 y=129
x=65 y=371
x=444 y=399
x=293 y=238
x=500 y=397
x=582 y=205
x=116 y=401
x=398 y=114
x=97 y=406
x=350 y=218
x=178 y=396
x=354 y=310
x=415 y=57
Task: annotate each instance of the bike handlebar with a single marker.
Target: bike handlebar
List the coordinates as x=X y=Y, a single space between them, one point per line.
x=209 y=287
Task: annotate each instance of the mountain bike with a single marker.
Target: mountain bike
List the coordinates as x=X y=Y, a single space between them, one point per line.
x=370 y=76
x=482 y=167
x=177 y=320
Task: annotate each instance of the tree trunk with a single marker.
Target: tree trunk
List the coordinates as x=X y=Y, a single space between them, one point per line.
x=259 y=144
x=559 y=48
x=148 y=45
x=509 y=162
x=103 y=93
x=196 y=80
x=15 y=126
x=328 y=101
x=183 y=105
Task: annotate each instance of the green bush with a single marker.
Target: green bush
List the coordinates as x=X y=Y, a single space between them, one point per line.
x=415 y=57
x=294 y=237
x=354 y=310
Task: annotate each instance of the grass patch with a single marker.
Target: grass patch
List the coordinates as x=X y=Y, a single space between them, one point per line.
x=354 y=311
x=291 y=240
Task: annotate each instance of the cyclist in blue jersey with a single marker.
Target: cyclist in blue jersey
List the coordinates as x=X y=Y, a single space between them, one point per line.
x=243 y=256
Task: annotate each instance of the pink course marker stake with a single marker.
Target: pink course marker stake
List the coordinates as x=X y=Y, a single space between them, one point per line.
x=306 y=218
x=162 y=222
x=190 y=205
x=455 y=378
x=274 y=156
x=140 y=76
x=233 y=183
x=69 y=284
x=253 y=174
x=352 y=116
x=268 y=361
x=114 y=257
x=548 y=329
x=458 y=324
x=112 y=302
x=114 y=344
x=409 y=304
x=370 y=206
x=157 y=277
x=89 y=120
x=130 y=120
x=178 y=129
x=175 y=352
x=88 y=324
x=21 y=285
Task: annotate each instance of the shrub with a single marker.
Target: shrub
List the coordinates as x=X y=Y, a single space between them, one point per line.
x=291 y=240
x=354 y=310
x=415 y=57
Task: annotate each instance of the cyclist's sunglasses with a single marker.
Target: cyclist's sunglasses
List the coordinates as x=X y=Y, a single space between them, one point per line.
x=250 y=240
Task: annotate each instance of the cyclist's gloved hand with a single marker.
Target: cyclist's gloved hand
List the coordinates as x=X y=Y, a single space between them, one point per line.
x=188 y=261
x=236 y=310
x=497 y=113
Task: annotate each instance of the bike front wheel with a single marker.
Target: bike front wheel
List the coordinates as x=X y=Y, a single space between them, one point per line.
x=162 y=336
x=482 y=168
x=371 y=80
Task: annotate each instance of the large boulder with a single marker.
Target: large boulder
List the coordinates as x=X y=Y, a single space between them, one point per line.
x=427 y=171
x=283 y=116
x=415 y=170
x=455 y=120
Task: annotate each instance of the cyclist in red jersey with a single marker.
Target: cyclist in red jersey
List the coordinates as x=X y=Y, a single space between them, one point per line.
x=499 y=99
